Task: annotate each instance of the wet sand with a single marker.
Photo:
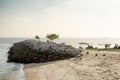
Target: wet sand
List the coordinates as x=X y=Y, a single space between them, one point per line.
x=94 y=65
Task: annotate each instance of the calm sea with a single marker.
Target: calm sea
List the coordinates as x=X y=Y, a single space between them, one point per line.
x=14 y=71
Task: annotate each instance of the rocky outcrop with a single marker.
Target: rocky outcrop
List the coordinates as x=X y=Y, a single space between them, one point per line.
x=32 y=51
x=117 y=46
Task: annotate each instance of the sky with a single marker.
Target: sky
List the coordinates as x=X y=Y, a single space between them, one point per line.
x=68 y=18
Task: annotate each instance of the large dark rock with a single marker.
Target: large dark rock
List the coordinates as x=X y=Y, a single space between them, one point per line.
x=32 y=51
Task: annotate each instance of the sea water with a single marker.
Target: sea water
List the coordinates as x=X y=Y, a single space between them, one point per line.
x=14 y=71
x=9 y=71
x=95 y=42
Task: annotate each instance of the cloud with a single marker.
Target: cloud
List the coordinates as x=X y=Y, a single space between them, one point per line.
x=88 y=17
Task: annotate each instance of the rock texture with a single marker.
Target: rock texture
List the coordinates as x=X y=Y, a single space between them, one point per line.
x=117 y=46
x=32 y=51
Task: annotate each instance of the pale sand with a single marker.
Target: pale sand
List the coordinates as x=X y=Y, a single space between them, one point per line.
x=90 y=67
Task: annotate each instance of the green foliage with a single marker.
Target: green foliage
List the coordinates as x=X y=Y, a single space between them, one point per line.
x=37 y=37
x=52 y=36
x=69 y=46
x=107 y=45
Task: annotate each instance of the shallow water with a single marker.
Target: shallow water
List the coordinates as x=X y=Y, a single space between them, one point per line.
x=9 y=71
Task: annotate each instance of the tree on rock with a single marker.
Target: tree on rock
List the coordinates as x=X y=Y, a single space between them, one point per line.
x=37 y=37
x=52 y=36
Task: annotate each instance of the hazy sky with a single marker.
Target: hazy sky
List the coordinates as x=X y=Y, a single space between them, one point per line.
x=68 y=18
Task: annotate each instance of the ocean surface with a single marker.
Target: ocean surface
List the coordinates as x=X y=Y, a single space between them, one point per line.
x=14 y=71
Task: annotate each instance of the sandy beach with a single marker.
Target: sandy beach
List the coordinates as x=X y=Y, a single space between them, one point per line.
x=92 y=65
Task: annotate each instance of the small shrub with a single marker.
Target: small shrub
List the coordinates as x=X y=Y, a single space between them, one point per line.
x=107 y=45
x=80 y=58
x=96 y=55
x=69 y=46
x=81 y=54
x=89 y=47
x=87 y=53
x=37 y=37
x=104 y=54
x=48 y=41
x=52 y=36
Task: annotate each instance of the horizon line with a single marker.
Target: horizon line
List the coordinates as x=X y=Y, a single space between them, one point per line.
x=62 y=37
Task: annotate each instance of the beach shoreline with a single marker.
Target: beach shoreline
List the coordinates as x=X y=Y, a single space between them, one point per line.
x=92 y=65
